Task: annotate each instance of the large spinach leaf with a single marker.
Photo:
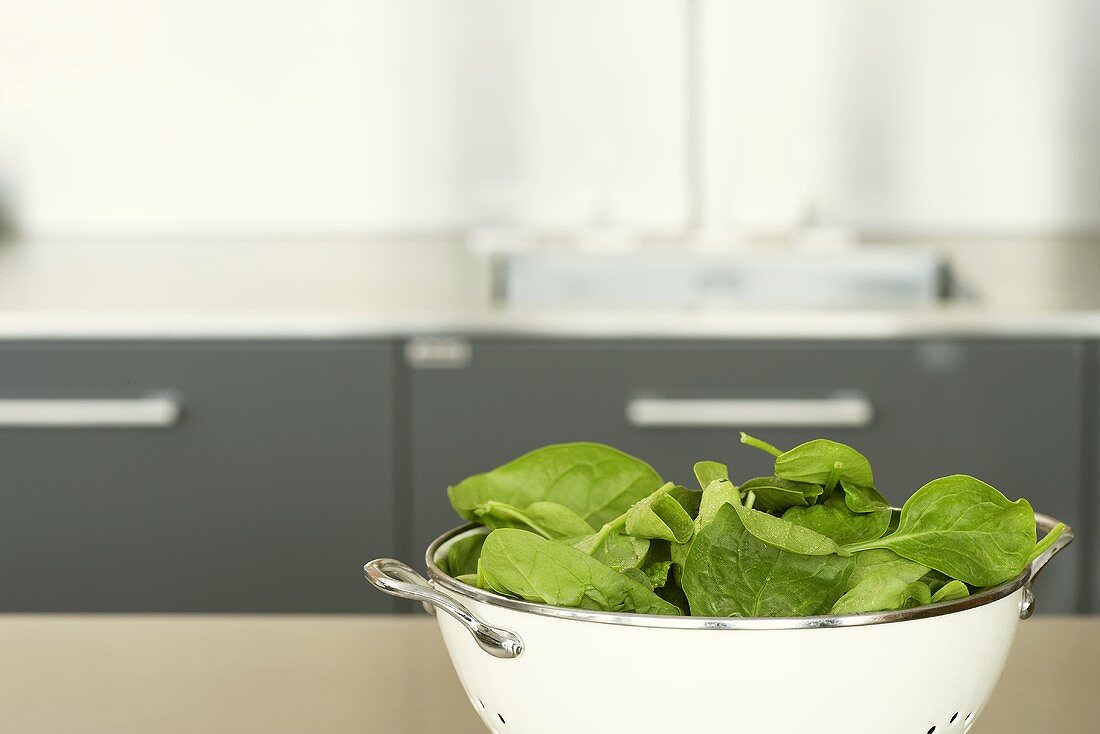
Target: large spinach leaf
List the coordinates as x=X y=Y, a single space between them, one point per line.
x=882 y=592
x=827 y=463
x=836 y=520
x=522 y=564
x=784 y=534
x=815 y=461
x=595 y=481
x=964 y=528
x=731 y=572
x=883 y=561
x=548 y=519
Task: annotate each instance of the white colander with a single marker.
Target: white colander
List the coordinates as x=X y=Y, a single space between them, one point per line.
x=537 y=669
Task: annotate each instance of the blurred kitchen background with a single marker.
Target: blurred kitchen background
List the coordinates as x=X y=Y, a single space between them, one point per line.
x=275 y=273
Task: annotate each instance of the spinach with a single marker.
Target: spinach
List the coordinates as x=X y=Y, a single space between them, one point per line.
x=826 y=463
x=548 y=519
x=673 y=594
x=881 y=592
x=710 y=471
x=774 y=494
x=881 y=560
x=522 y=564
x=689 y=499
x=595 y=481
x=660 y=516
x=655 y=575
x=462 y=555
x=717 y=493
x=836 y=520
x=731 y=572
x=587 y=526
x=1048 y=540
x=951 y=591
x=964 y=528
x=616 y=550
x=786 y=535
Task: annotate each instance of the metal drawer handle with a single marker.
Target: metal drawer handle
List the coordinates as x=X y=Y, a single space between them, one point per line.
x=397 y=579
x=839 y=412
x=151 y=412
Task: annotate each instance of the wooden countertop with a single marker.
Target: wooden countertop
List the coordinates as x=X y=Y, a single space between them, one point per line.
x=334 y=675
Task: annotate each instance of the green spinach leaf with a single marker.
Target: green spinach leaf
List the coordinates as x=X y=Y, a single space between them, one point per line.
x=814 y=462
x=462 y=555
x=660 y=517
x=522 y=564
x=837 y=521
x=882 y=592
x=951 y=591
x=710 y=471
x=674 y=594
x=731 y=572
x=887 y=562
x=595 y=481
x=786 y=535
x=963 y=527
x=825 y=463
x=616 y=550
x=774 y=494
x=548 y=519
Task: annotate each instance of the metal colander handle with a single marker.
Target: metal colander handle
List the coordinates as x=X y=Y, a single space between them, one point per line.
x=397 y=579
x=1045 y=523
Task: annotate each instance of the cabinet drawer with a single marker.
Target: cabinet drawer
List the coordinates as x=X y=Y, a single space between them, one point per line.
x=1008 y=412
x=192 y=477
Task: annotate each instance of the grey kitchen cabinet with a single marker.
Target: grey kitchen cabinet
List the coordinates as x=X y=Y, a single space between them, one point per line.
x=1009 y=412
x=266 y=494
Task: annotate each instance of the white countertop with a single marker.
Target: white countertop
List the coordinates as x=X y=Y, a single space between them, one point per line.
x=229 y=289
x=353 y=675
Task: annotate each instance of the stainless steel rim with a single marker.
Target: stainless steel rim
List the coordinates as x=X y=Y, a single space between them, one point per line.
x=438 y=578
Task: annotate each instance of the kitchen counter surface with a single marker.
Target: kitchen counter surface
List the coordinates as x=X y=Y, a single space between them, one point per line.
x=165 y=290
x=351 y=675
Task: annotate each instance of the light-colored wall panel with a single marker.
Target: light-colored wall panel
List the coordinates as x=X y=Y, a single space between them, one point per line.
x=964 y=116
x=339 y=116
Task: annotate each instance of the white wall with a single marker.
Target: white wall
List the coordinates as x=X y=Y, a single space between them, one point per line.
x=964 y=116
x=352 y=117
x=339 y=116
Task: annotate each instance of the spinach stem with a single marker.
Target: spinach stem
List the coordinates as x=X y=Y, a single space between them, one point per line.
x=750 y=498
x=613 y=525
x=757 y=443
x=833 y=478
x=865 y=545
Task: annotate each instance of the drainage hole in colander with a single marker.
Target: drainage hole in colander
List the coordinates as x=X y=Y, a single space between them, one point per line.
x=482 y=704
x=954 y=716
x=501 y=719
x=932 y=730
x=970 y=716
